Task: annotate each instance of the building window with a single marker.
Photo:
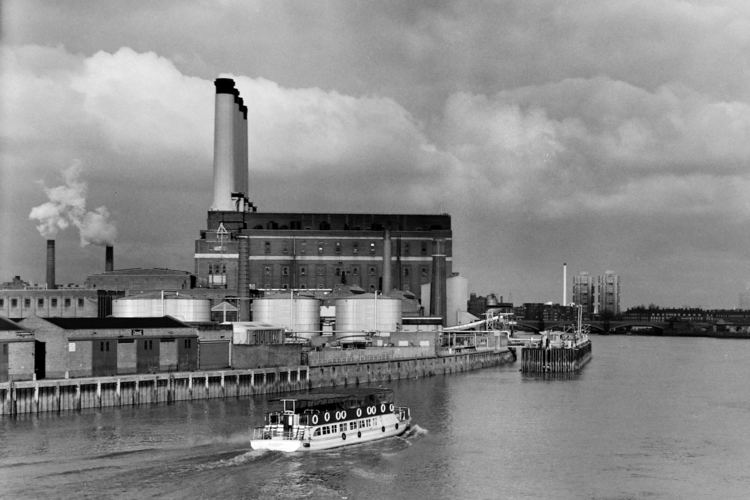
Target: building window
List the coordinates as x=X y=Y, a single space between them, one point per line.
x=26 y=302
x=424 y=272
x=80 y=302
x=303 y=271
x=267 y=270
x=53 y=302
x=320 y=248
x=406 y=249
x=13 y=302
x=355 y=248
x=338 y=247
x=267 y=247
x=372 y=248
x=285 y=249
x=406 y=272
x=40 y=302
x=67 y=303
x=303 y=247
x=338 y=271
x=187 y=343
x=355 y=271
x=424 y=248
x=284 y=286
x=371 y=270
x=285 y=270
x=2 y=302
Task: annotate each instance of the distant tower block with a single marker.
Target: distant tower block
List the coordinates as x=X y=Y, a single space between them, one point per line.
x=224 y=145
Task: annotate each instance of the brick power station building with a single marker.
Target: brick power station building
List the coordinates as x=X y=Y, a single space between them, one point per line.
x=305 y=251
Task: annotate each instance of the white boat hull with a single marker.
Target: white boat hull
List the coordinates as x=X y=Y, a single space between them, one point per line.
x=386 y=426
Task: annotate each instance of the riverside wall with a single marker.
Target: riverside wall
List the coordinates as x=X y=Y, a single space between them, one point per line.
x=30 y=397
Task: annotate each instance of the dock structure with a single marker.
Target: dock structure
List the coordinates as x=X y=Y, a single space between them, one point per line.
x=75 y=394
x=555 y=359
x=36 y=396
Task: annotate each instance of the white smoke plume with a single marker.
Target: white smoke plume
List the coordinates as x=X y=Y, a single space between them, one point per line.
x=67 y=205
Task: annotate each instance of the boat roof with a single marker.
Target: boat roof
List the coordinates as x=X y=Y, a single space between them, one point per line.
x=354 y=396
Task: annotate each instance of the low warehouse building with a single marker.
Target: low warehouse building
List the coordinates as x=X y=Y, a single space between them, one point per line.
x=82 y=347
x=17 y=353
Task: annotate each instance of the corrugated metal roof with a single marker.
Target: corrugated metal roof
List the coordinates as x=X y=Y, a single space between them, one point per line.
x=116 y=323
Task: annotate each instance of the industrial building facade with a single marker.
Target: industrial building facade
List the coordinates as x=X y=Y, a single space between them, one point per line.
x=317 y=251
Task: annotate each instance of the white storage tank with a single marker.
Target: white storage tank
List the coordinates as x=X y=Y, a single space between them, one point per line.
x=176 y=304
x=456 y=300
x=360 y=314
x=301 y=315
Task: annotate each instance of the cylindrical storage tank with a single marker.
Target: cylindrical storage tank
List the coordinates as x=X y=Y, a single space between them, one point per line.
x=358 y=315
x=301 y=315
x=183 y=308
x=456 y=298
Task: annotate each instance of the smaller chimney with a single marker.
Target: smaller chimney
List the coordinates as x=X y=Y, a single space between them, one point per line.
x=438 y=293
x=387 y=271
x=243 y=289
x=51 y=264
x=109 y=259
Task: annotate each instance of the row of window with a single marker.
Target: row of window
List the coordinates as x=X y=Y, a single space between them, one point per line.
x=338 y=248
x=53 y=302
x=321 y=270
x=336 y=428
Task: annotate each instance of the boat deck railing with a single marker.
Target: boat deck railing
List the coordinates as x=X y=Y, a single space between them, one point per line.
x=280 y=433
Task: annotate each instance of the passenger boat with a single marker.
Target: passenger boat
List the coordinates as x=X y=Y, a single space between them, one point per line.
x=322 y=421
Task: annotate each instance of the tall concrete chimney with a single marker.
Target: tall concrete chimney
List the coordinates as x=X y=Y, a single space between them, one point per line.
x=237 y=116
x=243 y=290
x=438 y=301
x=224 y=149
x=51 y=264
x=565 y=284
x=244 y=174
x=109 y=259
x=387 y=271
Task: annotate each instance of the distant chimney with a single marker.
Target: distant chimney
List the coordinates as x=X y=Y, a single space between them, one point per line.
x=438 y=300
x=109 y=259
x=51 y=264
x=224 y=144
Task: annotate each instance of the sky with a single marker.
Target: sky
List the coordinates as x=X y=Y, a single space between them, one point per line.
x=606 y=134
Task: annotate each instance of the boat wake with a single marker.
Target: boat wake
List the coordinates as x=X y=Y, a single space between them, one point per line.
x=416 y=431
x=236 y=460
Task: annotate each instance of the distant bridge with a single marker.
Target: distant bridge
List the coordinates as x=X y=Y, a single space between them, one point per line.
x=597 y=326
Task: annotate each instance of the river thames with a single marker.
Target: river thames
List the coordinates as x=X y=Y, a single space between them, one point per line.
x=648 y=417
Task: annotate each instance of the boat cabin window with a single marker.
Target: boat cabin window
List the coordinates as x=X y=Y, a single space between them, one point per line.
x=317 y=432
x=334 y=428
x=352 y=426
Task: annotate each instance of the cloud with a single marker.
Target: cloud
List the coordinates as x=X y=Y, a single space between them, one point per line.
x=519 y=160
